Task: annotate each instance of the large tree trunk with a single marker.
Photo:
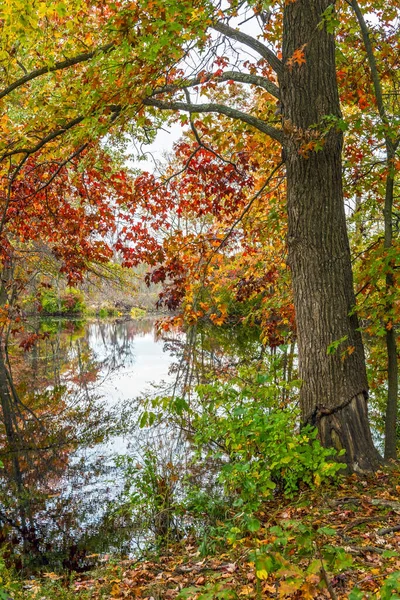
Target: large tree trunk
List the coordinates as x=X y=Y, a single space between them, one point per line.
x=334 y=390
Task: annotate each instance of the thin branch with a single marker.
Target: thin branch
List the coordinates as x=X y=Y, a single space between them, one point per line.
x=205 y=146
x=251 y=42
x=248 y=78
x=249 y=205
x=59 y=168
x=48 y=138
x=58 y=66
x=238 y=220
x=374 y=71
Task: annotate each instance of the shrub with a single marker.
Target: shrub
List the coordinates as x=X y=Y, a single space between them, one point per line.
x=262 y=449
x=136 y=312
x=108 y=310
x=150 y=496
x=70 y=301
x=50 y=302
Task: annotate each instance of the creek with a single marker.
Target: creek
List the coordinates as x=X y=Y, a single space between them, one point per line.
x=73 y=412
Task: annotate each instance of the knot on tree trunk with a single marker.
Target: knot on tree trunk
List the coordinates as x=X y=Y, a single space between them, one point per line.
x=344 y=427
x=321 y=411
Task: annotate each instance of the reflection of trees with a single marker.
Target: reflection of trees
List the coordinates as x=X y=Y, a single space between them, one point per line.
x=207 y=352
x=115 y=339
x=52 y=421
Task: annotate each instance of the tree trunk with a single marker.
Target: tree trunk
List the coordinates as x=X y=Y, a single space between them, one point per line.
x=391 y=344
x=334 y=391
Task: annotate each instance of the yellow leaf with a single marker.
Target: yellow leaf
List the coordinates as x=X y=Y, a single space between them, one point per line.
x=262 y=574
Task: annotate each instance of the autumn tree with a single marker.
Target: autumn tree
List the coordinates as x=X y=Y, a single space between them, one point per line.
x=334 y=391
x=132 y=66
x=380 y=103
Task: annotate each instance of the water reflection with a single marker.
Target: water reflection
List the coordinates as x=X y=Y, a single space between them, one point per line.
x=61 y=420
x=70 y=405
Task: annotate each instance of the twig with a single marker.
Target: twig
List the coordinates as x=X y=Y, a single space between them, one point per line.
x=364 y=549
x=358 y=522
x=324 y=574
x=386 y=530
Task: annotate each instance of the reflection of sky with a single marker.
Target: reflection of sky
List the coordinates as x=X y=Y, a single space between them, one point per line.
x=146 y=363
x=149 y=365
x=142 y=363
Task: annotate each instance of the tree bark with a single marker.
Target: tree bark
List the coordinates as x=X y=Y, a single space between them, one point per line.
x=391 y=416
x=334 y=390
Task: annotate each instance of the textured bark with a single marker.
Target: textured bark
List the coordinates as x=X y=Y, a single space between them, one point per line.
x=391 y=345
x=334 y=390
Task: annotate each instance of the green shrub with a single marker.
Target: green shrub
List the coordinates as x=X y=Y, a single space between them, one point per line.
x=108 y=310
x=262 y=450
x=150 y=496
x=50 y=302
x=70 y=301
x=247 y=447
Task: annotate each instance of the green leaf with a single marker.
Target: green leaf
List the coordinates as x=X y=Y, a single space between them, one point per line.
x=356 y=594
x=143 y=419
x=187 y=592
x=327 y=531
x=333 y=346
x=253 y=524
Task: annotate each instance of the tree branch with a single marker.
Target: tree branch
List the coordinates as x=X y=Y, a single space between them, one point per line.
x=262 y=82
x=64 y=64
x=59 y=168
x=233 y=113
x=251 y=42
x=374 y=72
x=48 y=138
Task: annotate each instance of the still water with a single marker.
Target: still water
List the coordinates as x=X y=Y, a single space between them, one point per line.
x=74 y=410
x=69 y=436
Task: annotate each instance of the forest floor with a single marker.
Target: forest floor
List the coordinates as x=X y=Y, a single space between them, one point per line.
x=337 y=542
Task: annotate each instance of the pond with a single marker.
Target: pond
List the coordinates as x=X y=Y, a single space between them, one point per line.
x=74 y=409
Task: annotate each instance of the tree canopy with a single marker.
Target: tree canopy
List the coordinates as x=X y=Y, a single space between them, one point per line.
x=271 y=93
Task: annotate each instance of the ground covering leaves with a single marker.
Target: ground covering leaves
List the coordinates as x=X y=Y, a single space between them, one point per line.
x=339 y=542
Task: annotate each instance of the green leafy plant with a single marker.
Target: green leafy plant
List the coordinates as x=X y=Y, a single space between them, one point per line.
x=50 y=302
x=150 y=496
x=315 y=557
x=70 y=301
x=262 y=450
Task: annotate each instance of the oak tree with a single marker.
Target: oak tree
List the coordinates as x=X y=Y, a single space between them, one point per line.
x=131 y=66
